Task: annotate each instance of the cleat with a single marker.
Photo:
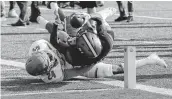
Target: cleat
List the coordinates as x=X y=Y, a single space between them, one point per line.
x=130 y=18
x=121 y=19
x=158 y=60
x=20 y=23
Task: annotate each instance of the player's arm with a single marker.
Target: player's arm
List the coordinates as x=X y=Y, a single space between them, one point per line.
x=60 y=17
x=57 y=36
x=103 y=14
x=102 y=26
x=107 y=44
x=107 y=12
x=60 y=38
x=105 y=33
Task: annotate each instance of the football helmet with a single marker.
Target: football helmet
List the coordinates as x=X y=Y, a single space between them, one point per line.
x=78 y=19
x=40 y=62
x=89 y=44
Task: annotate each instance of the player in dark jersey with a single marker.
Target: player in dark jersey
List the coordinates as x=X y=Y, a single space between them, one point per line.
x=82 y=48
x=68 y=32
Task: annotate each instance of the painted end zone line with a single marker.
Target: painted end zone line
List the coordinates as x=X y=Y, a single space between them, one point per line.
x=149 y=17
x=152 y=89
x=55 y=92
x=147 y=88
x=12 y=63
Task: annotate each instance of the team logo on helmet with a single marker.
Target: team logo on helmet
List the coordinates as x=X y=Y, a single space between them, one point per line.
x=89 y=44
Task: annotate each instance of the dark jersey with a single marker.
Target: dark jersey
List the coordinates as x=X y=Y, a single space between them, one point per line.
x=72 y=54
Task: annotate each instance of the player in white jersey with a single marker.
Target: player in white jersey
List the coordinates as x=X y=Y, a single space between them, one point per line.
x=50 y=65
x=53 y=63
x=68 y=33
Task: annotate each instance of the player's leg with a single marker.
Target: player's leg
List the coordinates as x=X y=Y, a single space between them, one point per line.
x=91 y=10
x=121 y=8
x=2 y=9
x=130 y=11
x=107 y=12
x=121 y=11
x=12 y=12
x=57 y=11
x=99 y=70
x=23 y=19
x=43 y=22
x=152 y=59
x=35 y=11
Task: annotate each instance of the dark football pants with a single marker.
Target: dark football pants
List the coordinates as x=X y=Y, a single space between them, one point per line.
x=122 y=8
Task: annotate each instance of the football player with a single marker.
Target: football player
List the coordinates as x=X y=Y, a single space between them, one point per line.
x=77 y=38
x=79 y=52
x=46 y=62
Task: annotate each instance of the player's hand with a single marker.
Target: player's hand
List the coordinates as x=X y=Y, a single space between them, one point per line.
x=97 y=17
x=71 y=41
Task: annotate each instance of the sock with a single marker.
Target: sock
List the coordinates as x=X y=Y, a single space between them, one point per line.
x=54 y=6
x=42 y=21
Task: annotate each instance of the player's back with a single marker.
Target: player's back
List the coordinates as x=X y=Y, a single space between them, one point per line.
x=40 y=45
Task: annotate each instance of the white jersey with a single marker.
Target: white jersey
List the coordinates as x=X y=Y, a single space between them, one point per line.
x=56 y=73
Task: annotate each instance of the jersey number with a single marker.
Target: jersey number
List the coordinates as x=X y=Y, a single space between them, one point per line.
x=51 y=75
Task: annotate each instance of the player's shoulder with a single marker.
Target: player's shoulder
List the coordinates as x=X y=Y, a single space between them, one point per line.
x=40 y=45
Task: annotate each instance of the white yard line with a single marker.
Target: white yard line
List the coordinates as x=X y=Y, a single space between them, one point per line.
x=36 y=29
x=149 y=42
x=40 y=29
x=13 y=63
x=15 y=77
x=149 y=17
x=55 y=92
x=10 y=70
x=163 y=91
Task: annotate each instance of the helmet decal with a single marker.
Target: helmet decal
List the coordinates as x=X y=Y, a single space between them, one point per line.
x=89 y=45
